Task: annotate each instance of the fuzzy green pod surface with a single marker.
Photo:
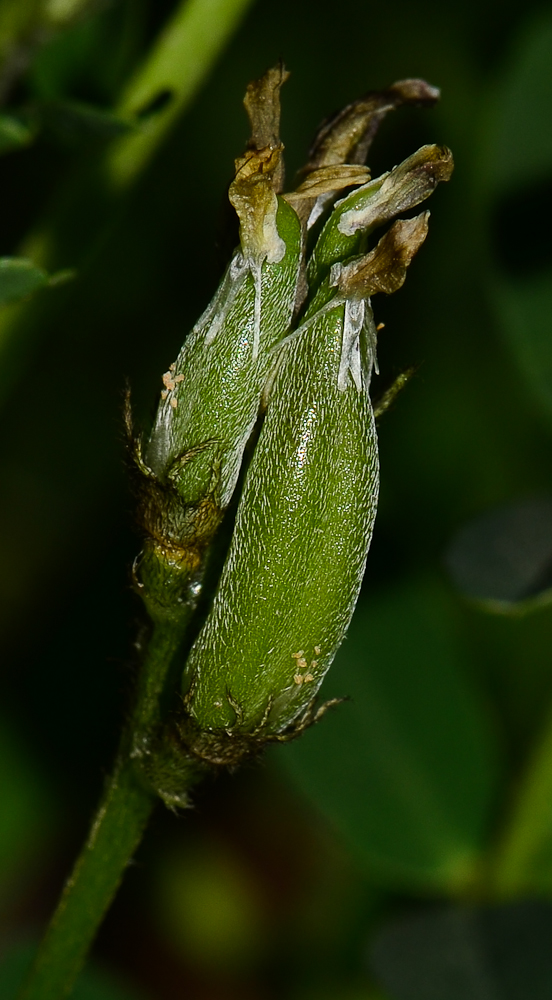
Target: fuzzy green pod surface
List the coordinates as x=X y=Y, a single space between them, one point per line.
x=304 y=524
x=211 y=394
x=297 y=557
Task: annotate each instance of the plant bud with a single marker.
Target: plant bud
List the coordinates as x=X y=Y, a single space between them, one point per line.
x=304 y=522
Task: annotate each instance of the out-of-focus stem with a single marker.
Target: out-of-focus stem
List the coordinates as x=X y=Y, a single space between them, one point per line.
x=175 y=68
x=178 y=63
x=115 y=832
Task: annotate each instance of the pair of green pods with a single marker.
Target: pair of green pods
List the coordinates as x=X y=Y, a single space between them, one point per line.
x=297 y=556
x=304 y=522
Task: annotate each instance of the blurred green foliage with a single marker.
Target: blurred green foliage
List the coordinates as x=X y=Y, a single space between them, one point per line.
x=516 y=167
x=435 y=779
x=407 y=770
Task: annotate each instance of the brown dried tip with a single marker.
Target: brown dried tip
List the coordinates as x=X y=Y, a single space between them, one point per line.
x=260 y=171
x=330 y=178
x=347 y=136
x=262 y=103
x=384 y=268
x=325 y=181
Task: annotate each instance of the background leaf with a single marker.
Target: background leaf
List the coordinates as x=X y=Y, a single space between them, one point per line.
x=516 y=178
x=14 y=133
x=524 y=857
x=19 y=277
x=27 y=815
x=405 y=770
x=453 y=953
x=503 y=558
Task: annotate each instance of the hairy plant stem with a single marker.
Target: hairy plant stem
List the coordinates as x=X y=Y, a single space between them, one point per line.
x=115 y=832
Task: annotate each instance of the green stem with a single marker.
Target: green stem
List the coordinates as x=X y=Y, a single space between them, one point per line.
x=176 y=66
x=178 y=63
x=115 y=833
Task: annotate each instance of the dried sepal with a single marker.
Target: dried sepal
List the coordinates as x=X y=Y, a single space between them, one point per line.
x=253 y=196
x=262 y=103
x=330 y=178
x=379 y=201
x=384 y=268
x=259 y=172
x=347 y=136
x=312 y=195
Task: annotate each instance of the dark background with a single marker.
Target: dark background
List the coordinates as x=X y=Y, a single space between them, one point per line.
x=428 y=789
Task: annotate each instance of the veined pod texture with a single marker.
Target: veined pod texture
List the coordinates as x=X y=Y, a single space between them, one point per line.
x=295 y=565
x=304 y=524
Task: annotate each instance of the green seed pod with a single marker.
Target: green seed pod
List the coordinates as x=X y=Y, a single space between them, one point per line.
x=211 y=394
x=209 y=406
x=298 y=552
x=304 y=524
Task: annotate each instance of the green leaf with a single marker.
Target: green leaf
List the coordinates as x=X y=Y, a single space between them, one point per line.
x=19 y=277
x=519 y=145
x=524 y=309
x=503 y=558
x=454 y=953
x=405 y=770
x=93 y=984
x=516 y=182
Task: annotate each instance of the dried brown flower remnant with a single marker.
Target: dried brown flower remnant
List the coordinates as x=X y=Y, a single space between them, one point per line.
x=384 y=268
x=347 y=136
x=259 y=172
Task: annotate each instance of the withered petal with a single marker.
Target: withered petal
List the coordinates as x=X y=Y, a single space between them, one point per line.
x=347 y=136
x=384 y=268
